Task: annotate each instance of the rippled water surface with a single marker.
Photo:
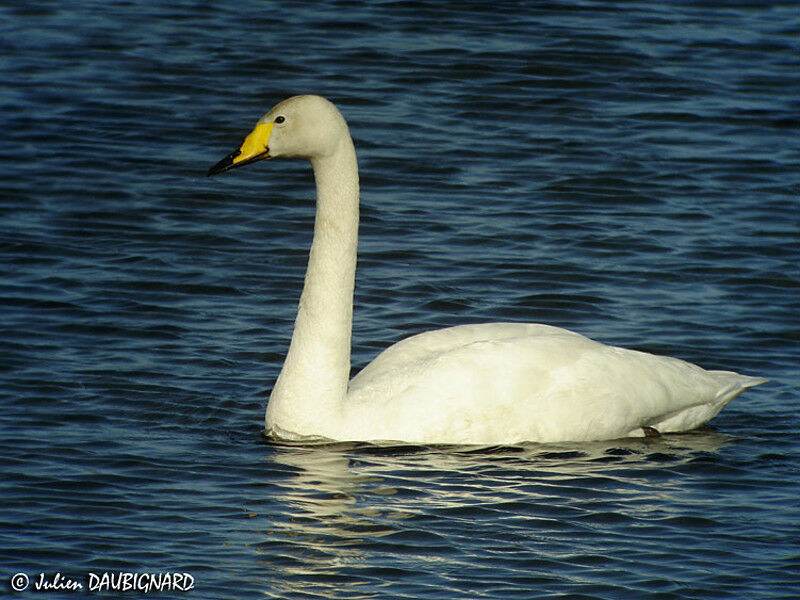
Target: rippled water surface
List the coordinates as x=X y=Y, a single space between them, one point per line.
x=627 y=170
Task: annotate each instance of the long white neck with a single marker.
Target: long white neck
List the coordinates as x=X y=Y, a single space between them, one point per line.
x=313 y=382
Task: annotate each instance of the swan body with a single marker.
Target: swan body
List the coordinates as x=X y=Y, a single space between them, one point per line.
x=493 y=383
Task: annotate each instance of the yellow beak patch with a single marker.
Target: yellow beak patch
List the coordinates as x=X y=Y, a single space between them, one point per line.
x=254 y=147
x=255 y=144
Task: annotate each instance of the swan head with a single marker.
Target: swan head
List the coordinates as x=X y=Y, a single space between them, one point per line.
x=299 y=127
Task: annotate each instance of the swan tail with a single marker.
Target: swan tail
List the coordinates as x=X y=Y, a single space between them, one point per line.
x=730 y=385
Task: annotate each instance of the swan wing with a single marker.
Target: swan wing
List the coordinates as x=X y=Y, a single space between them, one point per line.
x=505 y=383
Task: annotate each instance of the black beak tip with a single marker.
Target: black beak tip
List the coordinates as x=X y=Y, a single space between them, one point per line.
x=223 y=165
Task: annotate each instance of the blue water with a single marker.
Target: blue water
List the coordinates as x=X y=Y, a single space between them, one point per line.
x=627 y=170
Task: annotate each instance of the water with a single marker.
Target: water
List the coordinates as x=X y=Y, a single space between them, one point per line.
x=629 y=171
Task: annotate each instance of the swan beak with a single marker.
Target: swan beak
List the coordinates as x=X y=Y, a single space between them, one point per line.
x=254 y=147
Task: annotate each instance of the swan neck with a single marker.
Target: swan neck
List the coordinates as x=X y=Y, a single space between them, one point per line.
x=313 y=382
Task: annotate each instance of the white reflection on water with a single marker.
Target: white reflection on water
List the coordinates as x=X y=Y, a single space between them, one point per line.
x=362 y=516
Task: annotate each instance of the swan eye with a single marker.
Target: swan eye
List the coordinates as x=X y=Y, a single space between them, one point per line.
x=280 y=119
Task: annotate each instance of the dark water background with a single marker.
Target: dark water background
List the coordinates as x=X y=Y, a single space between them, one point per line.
x=627 y=170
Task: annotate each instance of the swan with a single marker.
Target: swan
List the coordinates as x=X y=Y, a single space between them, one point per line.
x=492 y=383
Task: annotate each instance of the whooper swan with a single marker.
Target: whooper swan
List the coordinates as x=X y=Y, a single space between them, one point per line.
x=493 y=383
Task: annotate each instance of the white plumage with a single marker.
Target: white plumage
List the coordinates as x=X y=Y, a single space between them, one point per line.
x=494 y=383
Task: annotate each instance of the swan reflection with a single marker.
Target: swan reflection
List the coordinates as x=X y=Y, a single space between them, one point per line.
x=366 y=516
